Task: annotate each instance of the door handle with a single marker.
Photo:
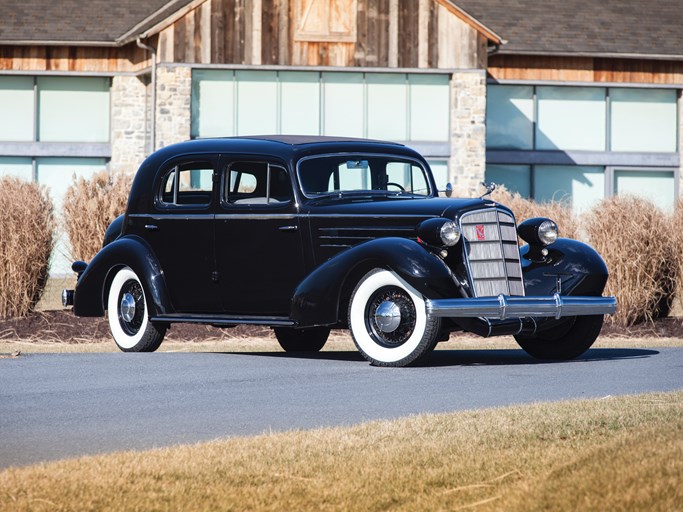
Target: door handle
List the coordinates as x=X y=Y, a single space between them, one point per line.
x=151 y=227
x=288 y=228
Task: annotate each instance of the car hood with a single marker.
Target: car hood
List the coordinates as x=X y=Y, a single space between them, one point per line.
x=427 y=207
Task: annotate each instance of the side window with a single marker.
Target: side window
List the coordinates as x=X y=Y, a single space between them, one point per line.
x=407 y=177
x=187 y=184
x=256 y=183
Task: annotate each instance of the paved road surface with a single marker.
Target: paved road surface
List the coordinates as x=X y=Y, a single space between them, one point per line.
x=54 y=406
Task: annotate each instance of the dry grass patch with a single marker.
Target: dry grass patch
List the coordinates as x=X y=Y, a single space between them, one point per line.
x=90 y=205
x=26 y=242
x=634 y=238
x=614 y=454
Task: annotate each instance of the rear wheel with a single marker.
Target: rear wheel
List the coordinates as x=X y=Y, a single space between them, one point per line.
x=302 y=340
x=568 y=341
x=128 y=315
x=389 y=321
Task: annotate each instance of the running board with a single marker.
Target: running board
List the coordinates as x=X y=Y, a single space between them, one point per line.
x=279 y=321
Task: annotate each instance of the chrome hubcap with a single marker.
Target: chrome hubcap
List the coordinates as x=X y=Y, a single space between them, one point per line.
x=127 y=307
x=388 y=316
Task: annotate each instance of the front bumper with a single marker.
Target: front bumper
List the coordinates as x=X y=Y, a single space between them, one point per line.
x=503 y=307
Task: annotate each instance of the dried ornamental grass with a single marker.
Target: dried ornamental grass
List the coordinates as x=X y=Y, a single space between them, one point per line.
x=634 y=238
x=90 y=205
x=26 y=242
x=677 y=239
x=527 y=209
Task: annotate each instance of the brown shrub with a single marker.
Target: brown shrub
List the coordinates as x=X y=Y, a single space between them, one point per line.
x=677 y=239
x=26 y=242
x=90 y=205
x=526 y=209
x=633 y=237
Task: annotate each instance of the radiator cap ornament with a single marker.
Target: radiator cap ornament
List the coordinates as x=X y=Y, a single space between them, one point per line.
x=490 y=187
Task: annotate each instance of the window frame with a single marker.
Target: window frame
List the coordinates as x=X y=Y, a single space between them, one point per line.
x=175 y=168
x=224 y=193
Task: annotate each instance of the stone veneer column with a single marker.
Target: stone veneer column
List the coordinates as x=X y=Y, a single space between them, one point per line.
x=129 y=123
x=468 y=131
x=174 y=100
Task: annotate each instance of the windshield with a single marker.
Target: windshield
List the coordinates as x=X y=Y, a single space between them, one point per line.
x=371 y=174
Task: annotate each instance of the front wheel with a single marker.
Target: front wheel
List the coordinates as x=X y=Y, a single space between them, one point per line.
x=389 y=321
x=128 y=315
x=568 y=342
x=302 y=340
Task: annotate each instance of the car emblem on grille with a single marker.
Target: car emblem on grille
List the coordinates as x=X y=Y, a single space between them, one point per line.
x=481 y=234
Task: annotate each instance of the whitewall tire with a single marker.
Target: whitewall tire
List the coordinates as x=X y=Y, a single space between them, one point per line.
x=389 y=321
x=128 y=315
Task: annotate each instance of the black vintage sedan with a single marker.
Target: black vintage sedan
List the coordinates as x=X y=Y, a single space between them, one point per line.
x=308 y=234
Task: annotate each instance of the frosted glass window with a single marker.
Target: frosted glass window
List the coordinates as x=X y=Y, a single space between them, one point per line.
x=256 y=102
x=387 y=106
x=343 y=109
x=17 y=167
x=516 y=178
x=300 y=103
x=655 y=186
x=429 y=107
x=73 y=109
x=213 y=104
x=580 y=187
x=440 y=172
x=509 y=117
x=571 y=118
x=643 y=120
x=16 y=108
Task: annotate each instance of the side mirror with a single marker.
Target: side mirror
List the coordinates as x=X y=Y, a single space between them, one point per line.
x=449 y=190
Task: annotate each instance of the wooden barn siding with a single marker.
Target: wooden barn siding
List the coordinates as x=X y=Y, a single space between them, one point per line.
x=72 y=58
x=228 y=40
x=585 y=69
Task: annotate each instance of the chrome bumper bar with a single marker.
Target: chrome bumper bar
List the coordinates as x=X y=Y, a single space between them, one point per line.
x=503 y=307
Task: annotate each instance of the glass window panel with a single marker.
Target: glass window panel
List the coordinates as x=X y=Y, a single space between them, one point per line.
x=73 y=109
x=406 y=177
x=213 y=103
x=571 y=118
x=509 y=116
x=580 y=187
x=440 y=172
x=387 y=106
x=655 y=186
x=343 y=108
x=429 y=107
x=300 y=103
x=16 y=166
x=643 y=120
x=516 y=178
x=16 y=108
x=256 y=102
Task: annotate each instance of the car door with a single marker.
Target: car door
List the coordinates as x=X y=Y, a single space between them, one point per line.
x=180 y=230
x=259 y=255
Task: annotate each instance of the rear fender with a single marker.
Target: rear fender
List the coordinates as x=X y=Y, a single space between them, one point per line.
x=320 y=298
x=90 y=295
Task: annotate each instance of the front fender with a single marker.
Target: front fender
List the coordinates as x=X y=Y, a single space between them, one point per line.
x=318 y=297
x=131 y=251
x=579 y=267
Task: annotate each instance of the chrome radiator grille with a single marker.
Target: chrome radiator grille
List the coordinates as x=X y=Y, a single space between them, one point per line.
x=492 y=253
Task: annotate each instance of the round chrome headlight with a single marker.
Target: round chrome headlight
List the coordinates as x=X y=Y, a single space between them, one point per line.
x=449 y=233
x=547 y=232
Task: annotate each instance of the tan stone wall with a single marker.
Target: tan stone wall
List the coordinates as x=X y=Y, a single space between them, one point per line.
x=174 y=100
x=129 y=123
x=467 y=163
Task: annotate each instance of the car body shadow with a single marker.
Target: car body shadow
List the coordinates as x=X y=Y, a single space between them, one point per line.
x=487 y=357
